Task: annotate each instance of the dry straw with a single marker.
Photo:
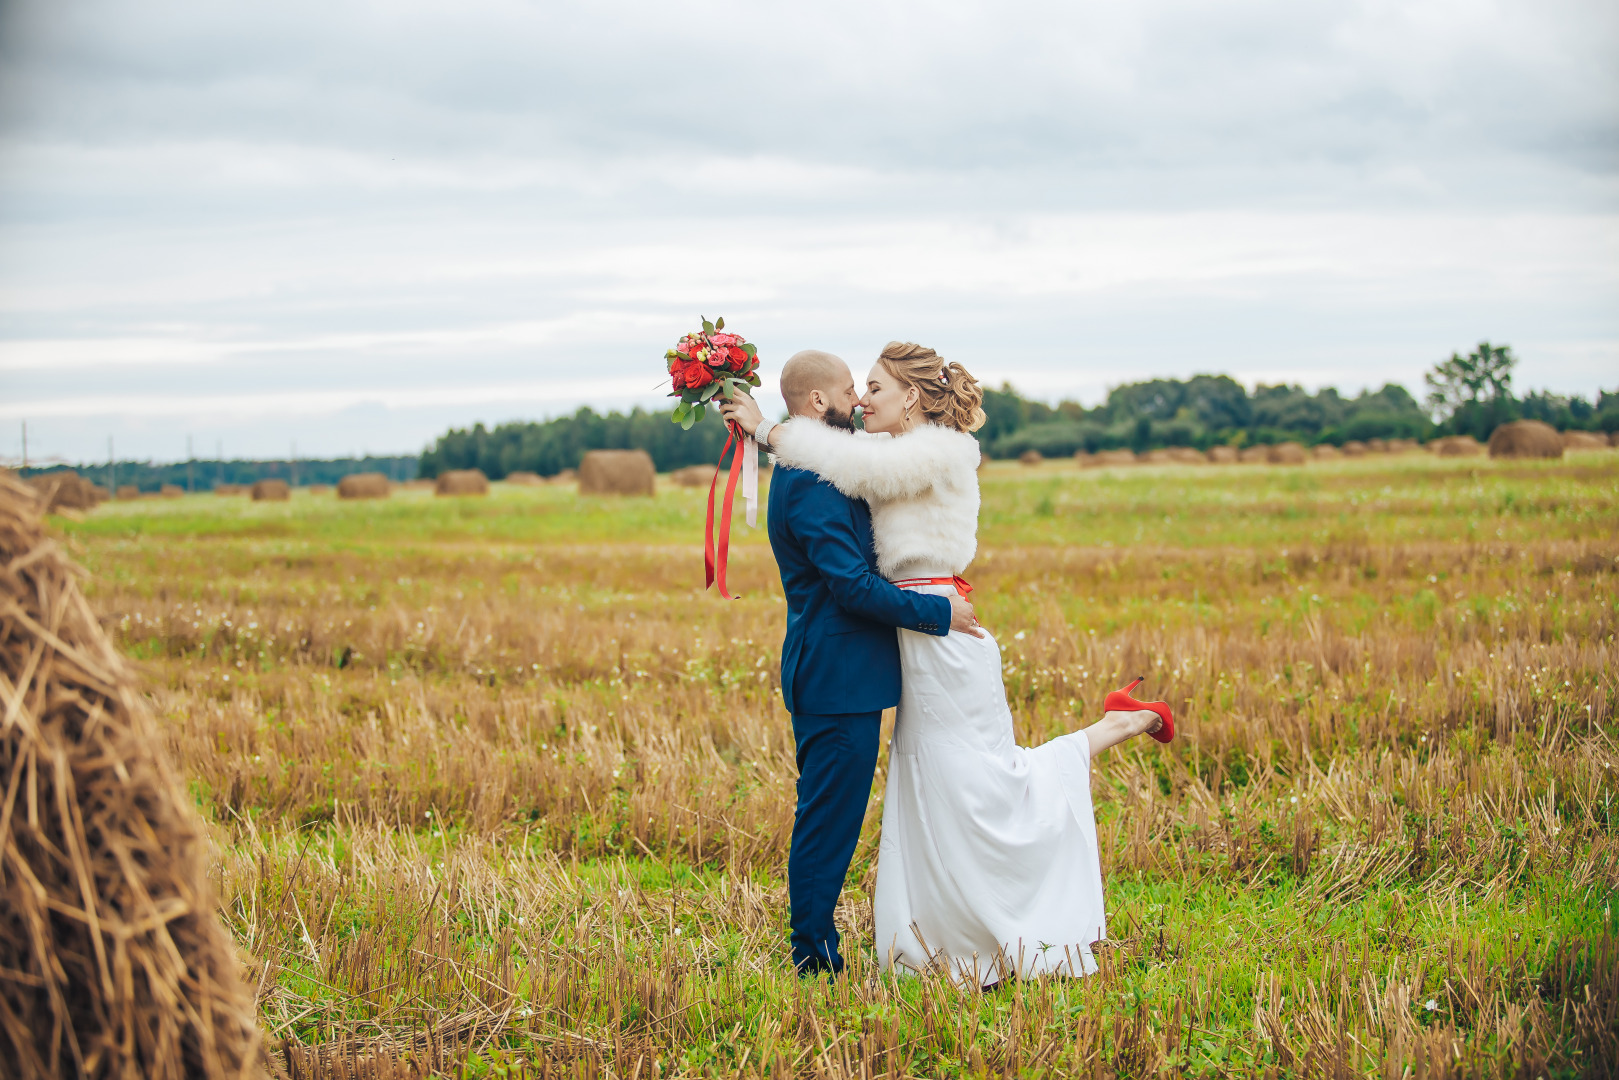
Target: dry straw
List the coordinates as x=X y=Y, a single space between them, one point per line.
x=113 y=961
x=617 y=472
x=365 y=485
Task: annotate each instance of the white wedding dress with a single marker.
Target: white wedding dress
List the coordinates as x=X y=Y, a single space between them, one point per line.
x=988 y=865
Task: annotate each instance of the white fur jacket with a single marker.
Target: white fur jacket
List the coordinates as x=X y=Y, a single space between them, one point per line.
x=922 y=488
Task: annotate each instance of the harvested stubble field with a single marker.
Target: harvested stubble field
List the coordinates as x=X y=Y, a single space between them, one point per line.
x=497 y=787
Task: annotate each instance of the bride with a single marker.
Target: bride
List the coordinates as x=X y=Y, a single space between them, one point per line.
x=988 y=866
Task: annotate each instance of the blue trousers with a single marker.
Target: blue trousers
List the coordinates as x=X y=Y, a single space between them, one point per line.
x=837 y=757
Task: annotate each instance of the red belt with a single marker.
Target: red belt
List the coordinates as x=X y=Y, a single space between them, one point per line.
x=960 y=584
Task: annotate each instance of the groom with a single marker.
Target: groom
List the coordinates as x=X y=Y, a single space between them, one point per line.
x=840 y=660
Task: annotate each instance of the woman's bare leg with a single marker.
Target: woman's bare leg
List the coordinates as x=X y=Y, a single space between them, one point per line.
x=1116 y=727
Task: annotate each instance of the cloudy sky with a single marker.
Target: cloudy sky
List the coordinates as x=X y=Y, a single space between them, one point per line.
x=351 y=225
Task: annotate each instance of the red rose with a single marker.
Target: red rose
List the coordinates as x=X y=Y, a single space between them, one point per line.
x=735 y=358
x=698 y=376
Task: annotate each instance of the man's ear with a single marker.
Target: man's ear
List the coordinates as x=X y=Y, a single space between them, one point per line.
x=817 y=403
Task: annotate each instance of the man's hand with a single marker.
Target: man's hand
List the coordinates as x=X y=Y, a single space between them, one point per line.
x=962 y=617
x=744 y=411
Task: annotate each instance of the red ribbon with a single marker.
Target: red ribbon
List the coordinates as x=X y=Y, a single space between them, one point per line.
x=957 y=582
x=714 y=561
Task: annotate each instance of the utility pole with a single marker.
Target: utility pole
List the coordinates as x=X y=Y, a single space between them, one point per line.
x=191 y=459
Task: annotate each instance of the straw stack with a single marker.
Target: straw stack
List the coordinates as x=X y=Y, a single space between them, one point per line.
x=114 y=960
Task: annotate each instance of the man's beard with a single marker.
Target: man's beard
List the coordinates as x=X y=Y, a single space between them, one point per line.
x=843 y=421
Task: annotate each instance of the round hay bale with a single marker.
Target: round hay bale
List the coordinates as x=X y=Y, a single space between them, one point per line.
x=116 y=962
x=1185 y=455
x=1223 y=455
x=1116 y=457
x=1583 y=440
x=1157 y=457
x=1526 y=439
x=67 y=490
x=524 y=478
x=271 y=491
x=1031 y=457
x=1083 y=458
x=1613 y=440
x=1253 y=455
x=127 y=491
x=566 y=476
x=1403 y=446
x=1288 y=453
x=1354 y=448
x=1376 y=446
x=229 y=489
x=364 y=485
x=1456 y=446
x=693 y=476
x=1326 y=452
x=461 y=482
x=617 y=472
x=171 y=491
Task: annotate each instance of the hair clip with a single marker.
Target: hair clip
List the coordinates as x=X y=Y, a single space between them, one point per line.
x=944 y=377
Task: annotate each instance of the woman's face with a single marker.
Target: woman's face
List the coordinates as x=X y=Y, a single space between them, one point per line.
x=885 y=403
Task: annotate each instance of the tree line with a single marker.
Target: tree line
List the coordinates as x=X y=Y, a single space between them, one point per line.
x=1466 y=395
x=199 y=475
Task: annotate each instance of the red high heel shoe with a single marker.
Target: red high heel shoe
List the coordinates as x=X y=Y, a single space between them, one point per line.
x=1121 y=701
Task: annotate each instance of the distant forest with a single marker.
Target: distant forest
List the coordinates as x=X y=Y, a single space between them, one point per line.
x=1469 y=395
x=203 y=475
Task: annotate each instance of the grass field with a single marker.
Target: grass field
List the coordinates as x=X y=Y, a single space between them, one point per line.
x=497 y=787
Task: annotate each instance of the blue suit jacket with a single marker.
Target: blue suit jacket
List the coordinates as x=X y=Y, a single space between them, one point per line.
x=841 y=654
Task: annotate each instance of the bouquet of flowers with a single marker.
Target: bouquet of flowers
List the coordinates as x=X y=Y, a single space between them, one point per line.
x=706 y=364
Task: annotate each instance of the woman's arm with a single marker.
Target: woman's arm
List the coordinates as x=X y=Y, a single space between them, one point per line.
x=877 y=469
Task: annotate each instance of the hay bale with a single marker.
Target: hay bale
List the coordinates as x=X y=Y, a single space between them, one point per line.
x=1456 y=446
x=1326 y=452
x=1222 y=455
x=1354 y=448
x=1157 y=457
x=1613 y=439
x=364 y=485
x=171 y=491
x=1185 y=455
x=1376 y=446
x=1083 y=458
x=1403 y=446
x=229 y=489
x=616 y=472
x=461 y=482
x=1583 y=440
x=1116 y=457
x=566 y=476
x=1030 y=457
x=693 y=476
x=67 y=490
x=524 y=478
x=116 y=963
x=1253 y=455
x=127 y=491
x=271 y=491
x=1526 y=439
x=1288 y=453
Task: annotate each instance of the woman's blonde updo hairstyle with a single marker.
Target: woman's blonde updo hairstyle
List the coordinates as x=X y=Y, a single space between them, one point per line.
x=949 y=396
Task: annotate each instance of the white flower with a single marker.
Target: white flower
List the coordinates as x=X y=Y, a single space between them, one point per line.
x=1019 y=636
x=1430 y=1005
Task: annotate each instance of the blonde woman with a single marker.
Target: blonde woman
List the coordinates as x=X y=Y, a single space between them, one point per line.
x=988 y=864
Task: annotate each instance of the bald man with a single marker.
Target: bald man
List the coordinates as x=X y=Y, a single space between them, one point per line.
x=840 y=658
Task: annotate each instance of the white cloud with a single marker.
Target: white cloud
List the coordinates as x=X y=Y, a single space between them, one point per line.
x=444 y=210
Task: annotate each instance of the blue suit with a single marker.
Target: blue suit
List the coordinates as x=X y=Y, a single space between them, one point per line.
x=839 y=671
